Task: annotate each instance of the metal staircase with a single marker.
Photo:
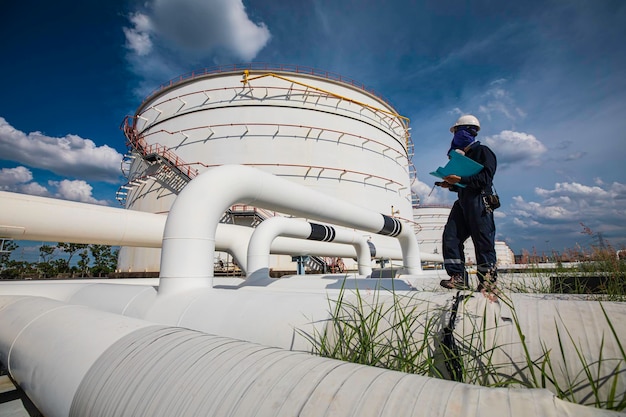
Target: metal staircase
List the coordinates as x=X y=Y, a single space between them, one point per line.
x=154 y=162
x=158 y=162
x=244 y=215
x=316 y=265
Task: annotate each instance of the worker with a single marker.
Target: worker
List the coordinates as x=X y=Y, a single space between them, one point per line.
x=471 y=214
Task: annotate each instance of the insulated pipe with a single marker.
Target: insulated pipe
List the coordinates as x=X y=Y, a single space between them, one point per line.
x=26 y=217
x=163 y=372
x=48 y=346
x=189 y=236
x=77 y=361
x=267 y=231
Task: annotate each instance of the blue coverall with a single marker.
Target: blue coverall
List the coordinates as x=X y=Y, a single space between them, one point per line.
x=470 y=218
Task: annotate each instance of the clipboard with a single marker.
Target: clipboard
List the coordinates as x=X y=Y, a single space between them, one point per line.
x=459 y=165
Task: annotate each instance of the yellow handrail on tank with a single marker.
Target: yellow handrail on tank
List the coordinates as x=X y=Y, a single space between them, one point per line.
x=247 y=79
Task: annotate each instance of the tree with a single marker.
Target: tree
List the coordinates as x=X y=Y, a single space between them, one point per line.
x=104 y=259
x=9 y=269
x=71 y=249
x=7 y=246
x=83 y=263
x=46 y=267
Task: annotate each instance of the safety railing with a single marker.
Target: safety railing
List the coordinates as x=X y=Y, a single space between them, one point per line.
x=313 y=132
x=243 y=208
x=258 y=66
x=388 y=118
x=139 y=144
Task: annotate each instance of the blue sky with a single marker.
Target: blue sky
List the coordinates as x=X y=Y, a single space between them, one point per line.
x=546 y=78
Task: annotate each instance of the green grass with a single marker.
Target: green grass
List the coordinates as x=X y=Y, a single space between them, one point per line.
x=402 y=332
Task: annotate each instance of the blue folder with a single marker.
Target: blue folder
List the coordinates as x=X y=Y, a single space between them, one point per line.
x=459 y=165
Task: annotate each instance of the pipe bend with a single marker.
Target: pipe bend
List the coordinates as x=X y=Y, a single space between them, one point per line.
x=260 y=244
x=189 y=236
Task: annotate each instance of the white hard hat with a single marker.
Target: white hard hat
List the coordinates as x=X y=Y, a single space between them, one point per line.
x=466 y=120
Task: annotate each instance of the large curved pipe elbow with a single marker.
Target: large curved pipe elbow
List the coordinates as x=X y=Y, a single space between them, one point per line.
x=25 y=217
x=189 y=236
x=260 y=244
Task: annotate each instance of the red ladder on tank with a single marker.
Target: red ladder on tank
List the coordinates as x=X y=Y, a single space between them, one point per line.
x=155 y=152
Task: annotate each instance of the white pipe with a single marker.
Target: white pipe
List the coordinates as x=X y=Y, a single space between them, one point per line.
x=76 y=361
x=48 y=346
x=268 y=230
x=189 y=236
x=27 y=217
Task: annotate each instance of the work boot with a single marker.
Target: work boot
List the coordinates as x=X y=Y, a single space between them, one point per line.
x=456 y=282
x=487 y=286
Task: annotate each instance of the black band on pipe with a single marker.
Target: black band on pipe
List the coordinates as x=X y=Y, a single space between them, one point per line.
x=372 y=248
x=322 y=232
x=392 y=227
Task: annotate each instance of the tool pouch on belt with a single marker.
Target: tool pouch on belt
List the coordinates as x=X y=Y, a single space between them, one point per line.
x=492 y=201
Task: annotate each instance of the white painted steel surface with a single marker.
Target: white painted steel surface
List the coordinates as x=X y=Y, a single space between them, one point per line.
x=319 y=132
x=74 y=360
x=49 y=346
x=189 y=236
x=185 y=373
x=26 y=217
x=432 y=221
x=270 y=229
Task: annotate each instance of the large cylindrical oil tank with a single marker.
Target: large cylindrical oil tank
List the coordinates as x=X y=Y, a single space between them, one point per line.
x=315 y=128
x=432 y=220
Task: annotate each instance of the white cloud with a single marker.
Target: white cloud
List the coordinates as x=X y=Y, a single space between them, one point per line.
x=559 y=212
x=138 y=37
x=76 y=190
x=70 y=155
x=34 y=188
x=167 y=32
x=20 y=180
x=573 y=190
x=516 y=147
x=432 y=196
x=12 y=176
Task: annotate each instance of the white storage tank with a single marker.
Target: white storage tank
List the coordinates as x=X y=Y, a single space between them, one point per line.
x=432 y=220
x=315 y=128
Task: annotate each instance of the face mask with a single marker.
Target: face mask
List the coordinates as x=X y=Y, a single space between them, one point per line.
x=463 y=136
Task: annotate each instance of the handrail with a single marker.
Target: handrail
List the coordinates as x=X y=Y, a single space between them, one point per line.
x=322 y=168
x=321 y=129
x=259 y=66
x=247 y=79
x=402 y=120
x=239 y=208
x=139 y=143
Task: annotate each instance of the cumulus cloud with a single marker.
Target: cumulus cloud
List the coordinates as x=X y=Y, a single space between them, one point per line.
x=432 y=196
x=70 y=155
x=574 y=190
x=167 y=31
x=20 y=180
x=34 y=188
x=75 y=190
x=561 y=210
x=11 y=176
x=516 y=147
